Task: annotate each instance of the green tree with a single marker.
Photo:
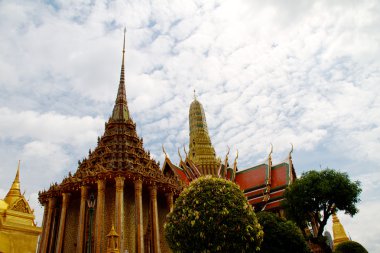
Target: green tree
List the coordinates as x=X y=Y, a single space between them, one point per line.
x=213 y=215
x=317 y=194
x=281 y=236
x=350 y=247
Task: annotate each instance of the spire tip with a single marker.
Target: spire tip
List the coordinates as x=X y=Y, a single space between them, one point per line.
x=125 y=31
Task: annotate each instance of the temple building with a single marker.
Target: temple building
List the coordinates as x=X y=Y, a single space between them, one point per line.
x=18 y=232
x=117 y=184
x=120 y=184
x=263 y=184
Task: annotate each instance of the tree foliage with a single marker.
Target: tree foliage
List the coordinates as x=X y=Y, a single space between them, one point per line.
x=317 y=193
x=281 y=236
x=350 y=247
x=213 y=215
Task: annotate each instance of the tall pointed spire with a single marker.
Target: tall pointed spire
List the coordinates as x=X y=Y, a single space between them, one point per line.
x=202 y=153
x=14 y=192
x=120 y=110
x=338 y=231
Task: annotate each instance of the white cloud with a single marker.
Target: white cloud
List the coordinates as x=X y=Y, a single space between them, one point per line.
x=305 y=73
x=49 y=127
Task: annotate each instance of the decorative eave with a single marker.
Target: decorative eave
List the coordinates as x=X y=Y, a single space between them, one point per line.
x=264 y=184
x=169 y=168
x=148 y=177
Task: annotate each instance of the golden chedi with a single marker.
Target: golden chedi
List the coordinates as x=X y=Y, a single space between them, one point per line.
x=338 y=231
x=18 y=232
x=201 y=152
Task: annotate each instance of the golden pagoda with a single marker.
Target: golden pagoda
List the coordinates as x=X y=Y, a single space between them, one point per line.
x=201 y=152
x=18 y=232
x=338 y=231
x=117 y=183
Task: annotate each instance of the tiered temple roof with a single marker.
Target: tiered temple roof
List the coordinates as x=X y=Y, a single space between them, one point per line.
x=263 y=184
x=119 y=152
x=130 y=190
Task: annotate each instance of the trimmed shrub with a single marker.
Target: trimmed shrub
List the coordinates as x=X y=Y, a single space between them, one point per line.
x=350 y=247
x=213 y=215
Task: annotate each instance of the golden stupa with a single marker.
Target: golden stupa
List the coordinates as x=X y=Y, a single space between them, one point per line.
x=338 y=231
x=201 y=153
x=18 y=232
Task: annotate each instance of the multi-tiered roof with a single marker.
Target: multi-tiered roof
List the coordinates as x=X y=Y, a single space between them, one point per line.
x=119 y=152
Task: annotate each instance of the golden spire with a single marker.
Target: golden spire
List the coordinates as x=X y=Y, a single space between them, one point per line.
x=120 y=110
x=14 y=192
x=201 y=152
x=338 y=231
x=112 y=241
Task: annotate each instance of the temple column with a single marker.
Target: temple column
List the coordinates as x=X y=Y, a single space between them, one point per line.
x=119 y=210
x=65 y=201
x=170 y=201
x=43 y=228
x=81 y=221
x=139 y=216
x=99 y=216
x=48 y=224
x=156 y=231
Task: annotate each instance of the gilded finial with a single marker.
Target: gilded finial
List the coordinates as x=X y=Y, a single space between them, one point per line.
x=184 y=149
x=219 y=171
x=163 y=150
x=237 y=156
x=271 y=150
x=195 y=95
x=291 y=151
x=226 y=159
x=125 y=31
x=179 y=153
x=235 y=164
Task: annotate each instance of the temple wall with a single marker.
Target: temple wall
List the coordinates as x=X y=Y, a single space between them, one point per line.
x=109 y=212
x=54 y=227
x=15 y=242
x=129 y=227
x=129 y=218
x=71 y=224
x=163 y=210
x=146 y=207
x=146 y=213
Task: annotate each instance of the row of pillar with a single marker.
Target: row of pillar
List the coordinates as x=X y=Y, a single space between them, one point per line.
x=119 y=213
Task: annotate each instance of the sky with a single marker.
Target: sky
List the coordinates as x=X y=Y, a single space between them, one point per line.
x=280 y=72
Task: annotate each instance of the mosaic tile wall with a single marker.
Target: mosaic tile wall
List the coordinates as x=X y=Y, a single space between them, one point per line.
x=71 y=224
x=129 y=218
x=109 y=212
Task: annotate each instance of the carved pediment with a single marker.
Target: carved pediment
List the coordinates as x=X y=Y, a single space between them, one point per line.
x=21 y=206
